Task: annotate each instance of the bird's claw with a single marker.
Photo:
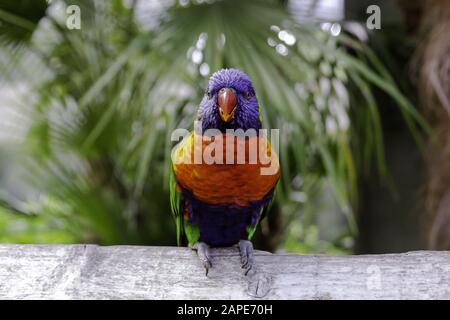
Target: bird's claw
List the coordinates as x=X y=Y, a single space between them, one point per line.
x=204 y=254
x=247 y=257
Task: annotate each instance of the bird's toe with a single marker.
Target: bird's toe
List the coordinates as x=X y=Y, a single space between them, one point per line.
x=247 y=256
x=204 y=254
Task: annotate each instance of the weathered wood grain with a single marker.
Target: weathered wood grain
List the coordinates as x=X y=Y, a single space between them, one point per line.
x=137 y=272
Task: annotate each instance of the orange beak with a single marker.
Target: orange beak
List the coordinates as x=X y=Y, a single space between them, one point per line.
x=227 y=103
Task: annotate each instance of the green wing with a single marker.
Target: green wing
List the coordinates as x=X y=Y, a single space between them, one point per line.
x=264 y=210
x=177 y=206
x=185 y=230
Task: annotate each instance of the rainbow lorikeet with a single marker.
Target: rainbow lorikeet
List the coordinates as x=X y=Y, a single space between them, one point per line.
x=220 y=204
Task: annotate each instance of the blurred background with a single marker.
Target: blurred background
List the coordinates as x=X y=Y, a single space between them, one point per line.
x=91 y=90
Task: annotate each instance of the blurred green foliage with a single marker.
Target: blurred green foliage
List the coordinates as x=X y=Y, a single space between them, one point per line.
x=98 y=149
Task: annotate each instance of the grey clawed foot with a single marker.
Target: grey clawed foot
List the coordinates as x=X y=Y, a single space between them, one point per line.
x=204 y=254
x=246 y=251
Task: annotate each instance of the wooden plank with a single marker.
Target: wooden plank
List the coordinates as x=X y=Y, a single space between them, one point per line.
x=138 y=272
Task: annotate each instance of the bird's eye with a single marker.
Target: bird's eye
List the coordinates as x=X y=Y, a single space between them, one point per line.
x=248 y=95
x=209 y=94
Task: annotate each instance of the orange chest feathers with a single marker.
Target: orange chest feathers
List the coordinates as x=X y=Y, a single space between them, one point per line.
x=226 y=169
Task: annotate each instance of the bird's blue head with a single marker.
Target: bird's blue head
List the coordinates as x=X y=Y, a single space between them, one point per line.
x=229 y=102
